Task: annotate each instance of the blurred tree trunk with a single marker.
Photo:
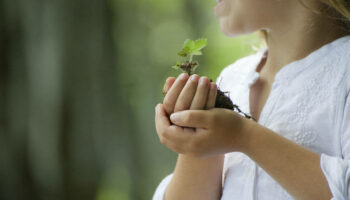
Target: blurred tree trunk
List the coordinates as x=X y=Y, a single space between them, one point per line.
x=60 y=106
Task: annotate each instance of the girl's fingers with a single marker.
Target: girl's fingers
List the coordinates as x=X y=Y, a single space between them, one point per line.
x=162 y=126
x=187 y=94
x=169 y=134
x=174 y=92
x=211 y=96
x=201 y=96
x=161 y=119
x=168 y=83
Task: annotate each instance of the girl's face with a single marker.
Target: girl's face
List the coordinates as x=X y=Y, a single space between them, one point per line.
x=245 y=16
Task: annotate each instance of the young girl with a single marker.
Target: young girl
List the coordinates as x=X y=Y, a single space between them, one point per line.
x=298 y=91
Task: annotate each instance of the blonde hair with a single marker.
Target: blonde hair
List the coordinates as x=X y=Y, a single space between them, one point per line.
x=334 y=9
x=341 y=6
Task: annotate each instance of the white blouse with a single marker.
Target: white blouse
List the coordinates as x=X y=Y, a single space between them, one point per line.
x=308 y=104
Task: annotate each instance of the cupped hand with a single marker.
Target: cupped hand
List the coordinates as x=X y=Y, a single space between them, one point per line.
x=213 y=132
x=183 y=93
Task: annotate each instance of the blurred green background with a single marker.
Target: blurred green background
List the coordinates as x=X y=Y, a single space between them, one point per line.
x=79 y=81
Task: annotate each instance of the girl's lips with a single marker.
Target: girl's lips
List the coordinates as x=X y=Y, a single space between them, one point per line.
x=219 y=7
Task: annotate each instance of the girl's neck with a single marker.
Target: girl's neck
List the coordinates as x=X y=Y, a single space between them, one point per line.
x=296 y=41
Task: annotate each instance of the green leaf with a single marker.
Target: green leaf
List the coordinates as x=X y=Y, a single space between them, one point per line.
x=175 y=67
x=188 y=47
x=200 y=44
x=185 y=52
x=196 y=53
x=190 y=44
x=192 y=48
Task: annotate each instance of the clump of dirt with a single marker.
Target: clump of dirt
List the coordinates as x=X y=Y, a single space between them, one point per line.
x=222 y=101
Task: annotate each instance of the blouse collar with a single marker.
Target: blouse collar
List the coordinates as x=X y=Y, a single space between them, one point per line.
x=290 y=70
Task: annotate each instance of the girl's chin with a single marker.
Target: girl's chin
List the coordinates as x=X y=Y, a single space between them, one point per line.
x=232 y=29
x=232 y=34
x=229 y=30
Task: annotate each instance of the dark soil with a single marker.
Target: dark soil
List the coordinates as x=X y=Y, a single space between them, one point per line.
x=223 y=101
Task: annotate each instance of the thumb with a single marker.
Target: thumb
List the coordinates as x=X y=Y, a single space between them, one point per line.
x=191 y=118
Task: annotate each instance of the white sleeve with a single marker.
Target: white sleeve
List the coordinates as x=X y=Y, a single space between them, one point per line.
x=337 y=169
x=337 y=172
x=160 y=191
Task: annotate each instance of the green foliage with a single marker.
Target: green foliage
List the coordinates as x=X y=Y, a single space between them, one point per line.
x=190 y=48
x=193 y=48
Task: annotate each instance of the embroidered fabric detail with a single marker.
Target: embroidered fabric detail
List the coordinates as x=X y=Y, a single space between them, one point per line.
x=318 y=89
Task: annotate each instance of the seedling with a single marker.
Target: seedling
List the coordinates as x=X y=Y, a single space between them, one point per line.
x=190 y=48
x=193 y=48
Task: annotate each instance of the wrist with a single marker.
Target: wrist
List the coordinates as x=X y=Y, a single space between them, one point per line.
x=190 y=158
x=249 y=129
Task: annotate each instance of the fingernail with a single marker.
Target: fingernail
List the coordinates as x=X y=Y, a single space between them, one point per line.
x=203 y=81
x=157 y=108
x=183 y=76
x=213 y=86
x=194 y=78
x=174 y=117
